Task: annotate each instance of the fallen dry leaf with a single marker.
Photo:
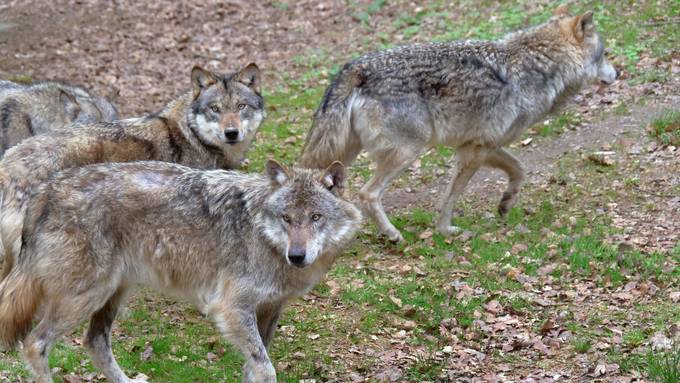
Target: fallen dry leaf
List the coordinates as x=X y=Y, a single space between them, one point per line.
x=396 y=301
x=147 y=353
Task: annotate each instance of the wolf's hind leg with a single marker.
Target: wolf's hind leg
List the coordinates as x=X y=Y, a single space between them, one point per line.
x=59 y=318
x=239 y=326
x=504 y=160
x=98 y=338
x=388 y=167
x=469 y=159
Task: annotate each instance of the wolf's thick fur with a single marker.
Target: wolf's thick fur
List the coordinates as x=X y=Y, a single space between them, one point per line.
x=18 y=306
x=211 y=126
x=27 y=110
x=239 y=246
x=477 y=96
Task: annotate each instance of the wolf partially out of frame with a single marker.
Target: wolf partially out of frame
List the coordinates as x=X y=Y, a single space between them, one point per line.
x=238 y=246
x=210 y=126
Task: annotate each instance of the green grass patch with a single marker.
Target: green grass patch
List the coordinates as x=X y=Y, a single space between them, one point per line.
x=666 y=129
x=558 y=124
x=664 y=366
x=21 y=79
x=581 y=345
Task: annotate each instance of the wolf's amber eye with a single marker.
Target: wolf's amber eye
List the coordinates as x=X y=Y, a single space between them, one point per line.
x=286 y=218
x=242 y=106
x=316 y=217
x=215 y=108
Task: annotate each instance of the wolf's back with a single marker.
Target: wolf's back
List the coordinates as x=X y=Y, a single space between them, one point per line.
x=27 y=165
x=329 y=137
x=29 y=110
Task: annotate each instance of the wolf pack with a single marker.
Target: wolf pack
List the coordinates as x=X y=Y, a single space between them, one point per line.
x=92 y=205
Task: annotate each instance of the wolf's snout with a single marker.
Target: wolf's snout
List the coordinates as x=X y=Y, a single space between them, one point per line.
x=617 y=73
x=607 y=73
x=608 y=80
x=231 y=134
x=296 y=256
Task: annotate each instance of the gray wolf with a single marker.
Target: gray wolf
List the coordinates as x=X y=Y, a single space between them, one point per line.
x=476 y=96
x=238 y=246
x=210 y=126
x=27 y=110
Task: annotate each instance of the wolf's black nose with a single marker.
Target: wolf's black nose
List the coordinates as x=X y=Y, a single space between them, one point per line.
x=231 y=134
x=296 y=256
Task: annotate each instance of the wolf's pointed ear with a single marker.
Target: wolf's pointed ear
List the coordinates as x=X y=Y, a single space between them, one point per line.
x=334 y=178
x=201 y=79
x=113 y=95
x=276 y=172
x=583 y=26
x=71 y=105
x=561 y=11
x=250 y=76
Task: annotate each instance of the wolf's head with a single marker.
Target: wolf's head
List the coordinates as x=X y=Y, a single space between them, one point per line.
x=226 y=110
x=579 y=33
x=87 y=108
x=73 y=105
x=305 y=216
x=568 y=46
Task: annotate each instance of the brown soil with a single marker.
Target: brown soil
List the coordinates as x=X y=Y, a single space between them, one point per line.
x=147 y=50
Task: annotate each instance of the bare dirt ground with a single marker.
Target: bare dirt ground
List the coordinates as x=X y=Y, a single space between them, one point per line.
x=147 y=50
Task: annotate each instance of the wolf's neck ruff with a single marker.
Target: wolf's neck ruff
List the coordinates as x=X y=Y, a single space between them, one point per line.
x=538 y=70
x=190 y=121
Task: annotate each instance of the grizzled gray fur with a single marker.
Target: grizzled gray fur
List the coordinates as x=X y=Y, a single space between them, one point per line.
x=476 y=96
x=210 y=126
x=238 y=246
x=27 y=110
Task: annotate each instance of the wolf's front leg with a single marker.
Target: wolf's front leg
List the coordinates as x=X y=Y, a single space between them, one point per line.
x=239 y=326
x=388 y=167
x=267 y=318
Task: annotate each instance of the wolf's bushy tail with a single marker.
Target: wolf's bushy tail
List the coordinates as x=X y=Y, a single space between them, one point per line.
x=331 y=137
x=5 y=262
x=20 y=297
x=21 y=290
x=7 y=231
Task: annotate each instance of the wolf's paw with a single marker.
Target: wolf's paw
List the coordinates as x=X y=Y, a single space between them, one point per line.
x=507 y=202
x=140 y=378
x=503 y=210
x=394 y=236
x=449 y=229
x=259 y=374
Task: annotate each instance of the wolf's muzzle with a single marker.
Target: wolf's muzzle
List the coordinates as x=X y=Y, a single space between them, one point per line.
x=296 y=256
x=231 y=135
